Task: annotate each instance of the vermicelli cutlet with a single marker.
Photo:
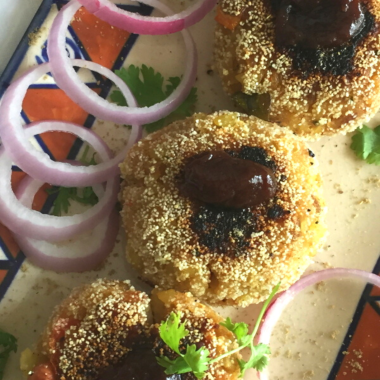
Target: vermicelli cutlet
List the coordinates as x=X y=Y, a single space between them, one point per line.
x=315 y=90
x=221 y=254
x=104 y=331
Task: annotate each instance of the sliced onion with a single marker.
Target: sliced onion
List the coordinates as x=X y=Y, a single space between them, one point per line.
x=67 y=79
x=38 y=164
x=135 y=23
x=28 y=187
x=84 y=253
x=26 y=222
x=278 y=306
x=26 y=191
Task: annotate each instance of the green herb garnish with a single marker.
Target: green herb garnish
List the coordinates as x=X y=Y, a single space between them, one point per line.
x=193 y=360
x=366 y=144
x=148 y=88
x=189 y=359
x=8 y=343
x=84 y=160
x=65 y=195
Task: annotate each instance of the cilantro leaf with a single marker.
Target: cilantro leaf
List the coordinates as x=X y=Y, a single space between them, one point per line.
x=64 y=195
x=148 y=88
x=172 y=331
x=147 y=91
x=366 y=144
x=178 y=365
x=164 y=361
x=258 y=360
x=239 y=329
x=62 y=201
x=193 y=360
x=88 y=197
x=185 y=109
x=228 y=324
x=117 y=97
x=8 y=343
x=198 y=360
x=172 y=85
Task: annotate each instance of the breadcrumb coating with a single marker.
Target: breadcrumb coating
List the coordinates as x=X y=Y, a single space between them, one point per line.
x=100 y=324
x=167 y=249
x=311 y=104
x=102 y=316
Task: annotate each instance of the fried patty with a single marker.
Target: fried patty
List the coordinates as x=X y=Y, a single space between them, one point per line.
x=315 y=92
x=222 y=256
x=104 y=331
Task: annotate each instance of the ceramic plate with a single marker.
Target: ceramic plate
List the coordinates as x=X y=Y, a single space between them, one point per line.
x=331 y=331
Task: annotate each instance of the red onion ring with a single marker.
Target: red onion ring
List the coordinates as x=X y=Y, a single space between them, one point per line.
x=138 y=24
x=26 y=222
x=82 y=254
x=28 y=187
x=278 y=306
x=67 y=79
x=26 y=191
x=38 y=164
x=79 y=255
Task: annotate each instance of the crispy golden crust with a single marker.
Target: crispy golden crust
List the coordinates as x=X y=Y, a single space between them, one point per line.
x=104 y=313
x=248 y=61
x=161 y=242
x=101 y=315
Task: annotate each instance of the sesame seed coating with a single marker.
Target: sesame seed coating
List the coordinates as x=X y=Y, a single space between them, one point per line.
x=312 y=105
x=165 y=248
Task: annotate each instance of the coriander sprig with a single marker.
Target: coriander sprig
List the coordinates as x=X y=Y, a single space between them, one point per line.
x=172 y=331
x=193 y=360
x=259 y=353
x=149 y=87
x=64 y=195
